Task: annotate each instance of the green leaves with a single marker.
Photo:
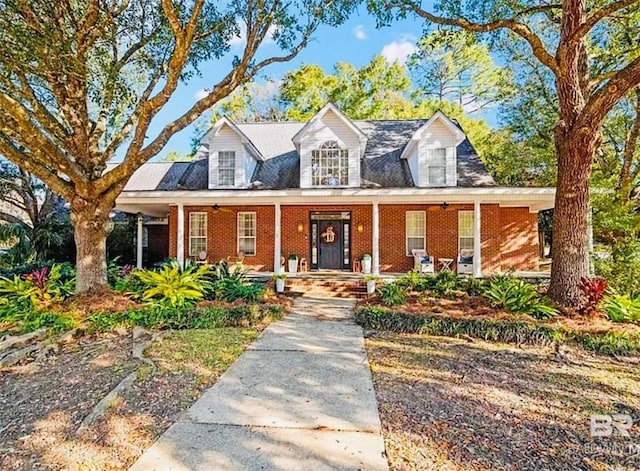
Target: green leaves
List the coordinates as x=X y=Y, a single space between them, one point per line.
x=517 y=296
x=622 y=308
x=172 y=285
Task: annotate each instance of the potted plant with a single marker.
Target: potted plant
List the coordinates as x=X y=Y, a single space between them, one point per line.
x=370 y=280
x=366 y=263
x=293 y=263
x=279 y=278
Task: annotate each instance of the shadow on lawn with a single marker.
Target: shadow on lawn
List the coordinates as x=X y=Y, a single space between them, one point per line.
x=447 y=404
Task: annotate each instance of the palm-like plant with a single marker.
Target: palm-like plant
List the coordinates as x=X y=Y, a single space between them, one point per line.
x=174 y=285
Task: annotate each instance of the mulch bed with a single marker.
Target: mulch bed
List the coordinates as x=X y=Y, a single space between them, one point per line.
x=466 y=307
x=449 y=404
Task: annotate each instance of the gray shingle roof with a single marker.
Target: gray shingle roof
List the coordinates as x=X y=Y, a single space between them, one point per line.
x=381 y=165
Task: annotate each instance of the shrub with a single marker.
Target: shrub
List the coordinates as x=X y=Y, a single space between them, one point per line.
x=392 y=294
x=445 y=284
x=593 y=290
x=507 y=331
x=230 y=290
x=621 y=268
x=32 y=290
x=165 y=316
x=622 y=308
x=172 y=285
x=517 y=296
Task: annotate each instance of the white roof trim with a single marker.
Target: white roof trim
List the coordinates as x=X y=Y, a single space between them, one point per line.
x=325 y=109
x=534 y=198
x=460 y=136
x=224 y=121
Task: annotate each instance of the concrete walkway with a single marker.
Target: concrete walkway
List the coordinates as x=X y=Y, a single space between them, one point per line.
x=300 y=398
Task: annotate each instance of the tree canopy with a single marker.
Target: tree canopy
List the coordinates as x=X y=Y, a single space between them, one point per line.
x=80 y=81
x=588 y=48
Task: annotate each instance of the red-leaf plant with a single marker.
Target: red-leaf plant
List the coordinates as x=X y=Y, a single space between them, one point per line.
x=39 y=278
x=593 y=290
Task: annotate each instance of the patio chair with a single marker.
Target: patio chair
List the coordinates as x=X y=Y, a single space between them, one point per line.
x=422 y=262
x=465 y=262
x=202 y=258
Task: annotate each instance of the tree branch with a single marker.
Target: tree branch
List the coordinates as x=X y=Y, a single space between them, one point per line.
x=600 y=14
x=537 y=46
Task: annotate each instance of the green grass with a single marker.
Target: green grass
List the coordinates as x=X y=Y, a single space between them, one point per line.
x=206 y=353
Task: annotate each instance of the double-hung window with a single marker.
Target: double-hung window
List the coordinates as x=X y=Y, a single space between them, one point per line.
x=465 y=230
x=226 y=168
x=197 y=233
x=247 y=233
x=330 y=165
x=437 y=166
x=415 y=231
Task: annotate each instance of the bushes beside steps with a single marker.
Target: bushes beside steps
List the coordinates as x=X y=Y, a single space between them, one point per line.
x=494 y=330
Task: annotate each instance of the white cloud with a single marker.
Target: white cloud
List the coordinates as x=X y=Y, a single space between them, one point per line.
x=241 y=38
x=400 y=50
x=359 y=32
x=201 y=93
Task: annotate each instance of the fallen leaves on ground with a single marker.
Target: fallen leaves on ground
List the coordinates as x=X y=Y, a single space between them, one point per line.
x=449 y=404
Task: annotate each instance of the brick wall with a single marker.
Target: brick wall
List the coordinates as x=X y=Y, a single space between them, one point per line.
x=519 y=234
x=509 y=235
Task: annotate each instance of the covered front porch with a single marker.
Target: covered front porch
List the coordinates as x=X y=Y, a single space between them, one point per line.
x=498 y=226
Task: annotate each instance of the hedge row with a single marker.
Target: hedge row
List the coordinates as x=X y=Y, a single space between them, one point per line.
x=505 y=331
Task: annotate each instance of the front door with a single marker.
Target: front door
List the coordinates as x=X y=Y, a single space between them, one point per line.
x=330 y=245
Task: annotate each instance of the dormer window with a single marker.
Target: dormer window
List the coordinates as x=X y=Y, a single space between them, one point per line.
x=226 y=168
x=437 y=166
x=330 y=165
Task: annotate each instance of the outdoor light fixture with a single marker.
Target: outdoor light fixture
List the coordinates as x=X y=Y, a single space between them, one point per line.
x=300 y=227
x=360 y=227
x=444 y=205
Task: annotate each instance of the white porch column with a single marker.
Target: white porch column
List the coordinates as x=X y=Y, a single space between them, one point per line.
x=139 y=241
x=180 y=241
x=477 y=243
x=375 y=256
x=277 y=240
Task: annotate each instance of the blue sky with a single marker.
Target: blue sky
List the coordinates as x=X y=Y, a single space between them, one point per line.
x=357 y=42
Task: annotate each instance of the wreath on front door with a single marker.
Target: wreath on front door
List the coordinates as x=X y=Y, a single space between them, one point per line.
x=329 y=236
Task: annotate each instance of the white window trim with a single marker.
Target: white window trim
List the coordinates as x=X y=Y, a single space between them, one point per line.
x=472 y=236
x=255 y=232
x=406 y=231
x=430 y=158
x=206 y=230
x=340 y=148
x=235 y=164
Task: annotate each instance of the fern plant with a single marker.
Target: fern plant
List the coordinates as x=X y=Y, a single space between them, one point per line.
x=172 y=285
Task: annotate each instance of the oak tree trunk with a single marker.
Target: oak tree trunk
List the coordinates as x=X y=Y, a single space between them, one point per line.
x=90 y=224
x=570 y=260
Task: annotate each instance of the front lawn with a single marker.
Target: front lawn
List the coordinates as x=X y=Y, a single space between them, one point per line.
x=43 y=403
x=454 y=404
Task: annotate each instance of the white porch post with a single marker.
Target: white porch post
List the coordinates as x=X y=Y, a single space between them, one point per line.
x=180 y=241
x=375 y=256
x=477 y=243
x=139 y=241
x=277 y=240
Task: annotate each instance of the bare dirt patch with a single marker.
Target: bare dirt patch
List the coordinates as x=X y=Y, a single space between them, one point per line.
x=448 y=404
x=42 y=404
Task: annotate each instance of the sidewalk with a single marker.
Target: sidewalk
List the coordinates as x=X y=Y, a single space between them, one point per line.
x=300 y=398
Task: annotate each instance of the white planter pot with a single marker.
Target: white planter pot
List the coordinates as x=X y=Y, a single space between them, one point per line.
x=371 y=286
x=293 y=266
x=366 y=266
x=280 y=285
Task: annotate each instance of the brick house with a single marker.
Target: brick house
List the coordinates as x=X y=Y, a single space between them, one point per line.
x=331 y=190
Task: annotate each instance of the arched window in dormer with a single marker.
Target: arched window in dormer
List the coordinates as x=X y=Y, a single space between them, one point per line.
x=330 y=165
